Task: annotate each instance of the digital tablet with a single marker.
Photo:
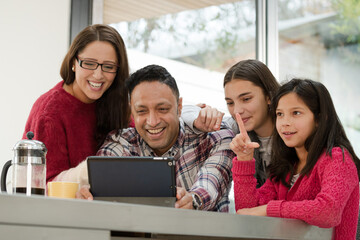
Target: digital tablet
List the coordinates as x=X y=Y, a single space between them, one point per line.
x=140 y=180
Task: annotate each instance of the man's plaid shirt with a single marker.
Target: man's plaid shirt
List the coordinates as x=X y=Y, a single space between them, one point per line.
x=203 y=161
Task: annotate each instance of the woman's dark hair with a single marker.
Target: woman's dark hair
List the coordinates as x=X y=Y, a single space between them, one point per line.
x=256 y=72
x=329 y=132
x=112 y=109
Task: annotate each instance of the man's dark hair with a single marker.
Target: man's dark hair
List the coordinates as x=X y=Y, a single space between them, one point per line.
x=152 y=73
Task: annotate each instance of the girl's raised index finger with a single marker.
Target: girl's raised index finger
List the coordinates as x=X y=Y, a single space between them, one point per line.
x=240 y=123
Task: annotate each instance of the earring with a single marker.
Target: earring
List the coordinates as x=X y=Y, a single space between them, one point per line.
x=73 y=69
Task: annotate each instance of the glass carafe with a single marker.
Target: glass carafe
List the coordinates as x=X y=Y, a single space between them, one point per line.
x=29 y=167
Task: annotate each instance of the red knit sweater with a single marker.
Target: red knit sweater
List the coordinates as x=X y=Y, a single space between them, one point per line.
x=328 y=197
x=66 y=126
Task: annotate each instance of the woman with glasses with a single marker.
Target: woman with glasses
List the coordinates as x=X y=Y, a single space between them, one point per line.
x=74 y=117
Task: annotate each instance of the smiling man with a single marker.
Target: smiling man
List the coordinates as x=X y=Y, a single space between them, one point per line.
x=156 y=114
x=203 y=160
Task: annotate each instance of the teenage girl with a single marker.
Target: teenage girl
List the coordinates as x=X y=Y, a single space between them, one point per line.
x=313 y=175
x=249 y=86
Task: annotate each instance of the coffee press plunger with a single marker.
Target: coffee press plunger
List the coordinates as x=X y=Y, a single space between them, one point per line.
x=29 y=167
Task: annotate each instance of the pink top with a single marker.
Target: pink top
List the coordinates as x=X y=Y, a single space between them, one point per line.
x=328 y=197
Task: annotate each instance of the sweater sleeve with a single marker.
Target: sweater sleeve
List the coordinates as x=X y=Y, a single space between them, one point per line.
x=77 y=174
x=80 y=173
x=51 y=132
x=338 y=180
x=189 y=114
x=246 y=194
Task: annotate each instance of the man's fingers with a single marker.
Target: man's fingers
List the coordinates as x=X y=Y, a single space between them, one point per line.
x=184 y=202
x=184 y=199
x=180 y=192
x=189 y=205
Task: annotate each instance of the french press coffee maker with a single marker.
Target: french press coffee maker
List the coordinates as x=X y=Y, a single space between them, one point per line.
x=29 y=167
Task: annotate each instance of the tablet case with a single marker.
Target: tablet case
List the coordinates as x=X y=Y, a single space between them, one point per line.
x=139 y=180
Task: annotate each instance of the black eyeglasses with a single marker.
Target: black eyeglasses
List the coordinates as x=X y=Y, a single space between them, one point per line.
x=91 y=65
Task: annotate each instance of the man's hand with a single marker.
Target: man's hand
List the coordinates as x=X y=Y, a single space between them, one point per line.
x=241 y=144
x=184 y=199
x=255 y=211
x=209 y=118
x=84 y=193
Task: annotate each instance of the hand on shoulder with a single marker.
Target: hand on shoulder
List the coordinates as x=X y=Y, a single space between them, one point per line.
x=209 y=118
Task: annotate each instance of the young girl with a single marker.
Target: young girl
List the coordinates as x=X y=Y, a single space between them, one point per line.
x=313 y=175
x=74 y=117
x=249 y=86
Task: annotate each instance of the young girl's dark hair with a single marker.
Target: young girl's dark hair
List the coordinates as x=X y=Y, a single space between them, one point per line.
x=329 y=132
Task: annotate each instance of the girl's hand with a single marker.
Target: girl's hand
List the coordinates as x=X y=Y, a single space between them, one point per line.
x=241 y=144
x=209 y=118
x=255 y=211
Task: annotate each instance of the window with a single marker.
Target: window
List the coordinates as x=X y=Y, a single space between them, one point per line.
x=320 y=40
x=197 y=44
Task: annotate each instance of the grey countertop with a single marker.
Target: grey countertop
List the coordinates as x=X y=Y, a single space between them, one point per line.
x=44 y=212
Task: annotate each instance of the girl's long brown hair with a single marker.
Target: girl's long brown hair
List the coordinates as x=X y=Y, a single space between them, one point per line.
x=328 y=134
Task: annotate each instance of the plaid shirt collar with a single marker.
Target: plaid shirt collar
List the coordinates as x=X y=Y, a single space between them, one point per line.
x=174 y=151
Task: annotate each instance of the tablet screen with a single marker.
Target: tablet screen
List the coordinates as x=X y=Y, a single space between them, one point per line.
x=131 y=176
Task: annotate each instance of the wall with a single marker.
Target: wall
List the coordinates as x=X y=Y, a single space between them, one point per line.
x=34 y=39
